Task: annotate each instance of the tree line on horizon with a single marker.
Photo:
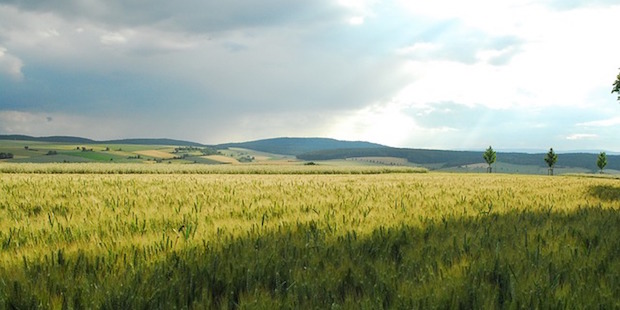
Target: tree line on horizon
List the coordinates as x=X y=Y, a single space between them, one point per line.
x=551 y=158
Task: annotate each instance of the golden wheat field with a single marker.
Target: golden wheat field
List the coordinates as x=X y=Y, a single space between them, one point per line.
x=109 y=239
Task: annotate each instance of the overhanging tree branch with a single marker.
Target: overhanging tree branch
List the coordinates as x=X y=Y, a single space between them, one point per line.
x=616 y=85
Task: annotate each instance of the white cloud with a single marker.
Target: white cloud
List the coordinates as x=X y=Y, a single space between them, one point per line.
x=113 y=38
x=469 y=84
x=358 y=11
x=581 y=136
x=497 y=56
x=492 y=17
x=10 y=65
x=419 y=49
x=564 y=59
x=361 y=7
x=49 y=33
x=615 y=121
x=356 y=20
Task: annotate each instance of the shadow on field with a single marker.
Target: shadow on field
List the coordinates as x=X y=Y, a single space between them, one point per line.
x=514 y=260
x=605 y=192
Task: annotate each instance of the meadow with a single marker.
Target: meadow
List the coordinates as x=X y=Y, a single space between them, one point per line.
x=114 y=238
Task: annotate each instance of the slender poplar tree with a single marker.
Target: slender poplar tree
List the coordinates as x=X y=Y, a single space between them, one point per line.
x=551 y=159
x=601 y=161
x=616 y=85
x=489 y=156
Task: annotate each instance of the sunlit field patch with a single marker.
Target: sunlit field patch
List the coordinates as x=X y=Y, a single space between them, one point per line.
x=385 y=240
x=156 y=154
x=222 y=159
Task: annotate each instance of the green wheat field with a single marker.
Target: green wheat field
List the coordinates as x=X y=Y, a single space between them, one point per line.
x=138 y=237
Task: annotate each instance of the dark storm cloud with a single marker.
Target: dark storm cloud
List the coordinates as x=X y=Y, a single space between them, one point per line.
x=193 y=15
x=277 y=56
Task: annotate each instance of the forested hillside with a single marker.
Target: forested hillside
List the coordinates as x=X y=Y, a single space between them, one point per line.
x=460 y=158
x=296 y=146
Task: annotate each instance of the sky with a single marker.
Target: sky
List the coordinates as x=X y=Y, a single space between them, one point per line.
x=443 y=74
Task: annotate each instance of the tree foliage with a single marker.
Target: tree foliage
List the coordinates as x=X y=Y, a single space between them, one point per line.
x=551 y=158
x=6 y=155
x=616 y=85
x=601 y=161
x=489 y=156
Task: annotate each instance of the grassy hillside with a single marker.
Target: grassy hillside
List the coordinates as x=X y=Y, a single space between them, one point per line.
x=160 y=141
x=69 y=150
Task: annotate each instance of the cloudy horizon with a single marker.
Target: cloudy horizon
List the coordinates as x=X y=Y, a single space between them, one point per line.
x=520 y=74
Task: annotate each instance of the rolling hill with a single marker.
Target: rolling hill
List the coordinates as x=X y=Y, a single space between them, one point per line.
x=63 y=149
x=79 y=140
x=322 y=149
x=297 y=146
x=66 y=149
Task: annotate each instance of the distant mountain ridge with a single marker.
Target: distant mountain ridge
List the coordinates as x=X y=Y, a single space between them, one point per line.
x=59 y=139
x=297 y=146
x=79 y=140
